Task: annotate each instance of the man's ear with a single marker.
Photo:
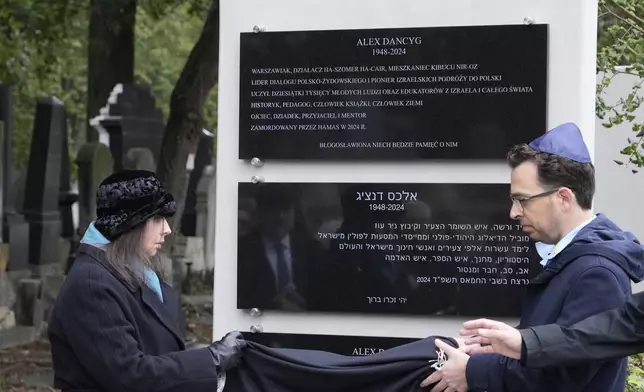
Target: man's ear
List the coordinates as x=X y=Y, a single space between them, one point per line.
x=567 y=196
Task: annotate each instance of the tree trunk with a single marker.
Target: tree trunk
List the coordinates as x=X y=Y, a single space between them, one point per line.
x=185 y=121
x=110 y=57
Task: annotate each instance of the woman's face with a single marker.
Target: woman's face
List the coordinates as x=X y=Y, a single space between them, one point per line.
x=153 y=236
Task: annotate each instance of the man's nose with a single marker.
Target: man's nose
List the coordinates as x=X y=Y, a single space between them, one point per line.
x=515 y=211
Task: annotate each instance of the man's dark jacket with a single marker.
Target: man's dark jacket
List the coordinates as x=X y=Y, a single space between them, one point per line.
x=257 y=289
x=109 y=336
x=399 y=369
x=611 y=334
x=591 y=275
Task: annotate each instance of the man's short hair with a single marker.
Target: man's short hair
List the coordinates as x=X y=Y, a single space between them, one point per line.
x=556 y=171
x=275 y=197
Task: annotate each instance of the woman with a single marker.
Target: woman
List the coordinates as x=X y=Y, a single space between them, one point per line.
x=114 y=326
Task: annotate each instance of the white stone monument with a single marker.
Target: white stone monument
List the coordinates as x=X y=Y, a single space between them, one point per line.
x=570 y=98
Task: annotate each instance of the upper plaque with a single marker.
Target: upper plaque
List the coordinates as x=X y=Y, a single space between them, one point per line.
x=435 y=249
x=417 y=93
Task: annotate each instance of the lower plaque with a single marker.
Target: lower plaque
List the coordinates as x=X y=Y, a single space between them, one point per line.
x=338 y=344
x=435 y=249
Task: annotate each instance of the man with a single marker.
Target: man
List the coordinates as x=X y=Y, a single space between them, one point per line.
x=275 y=258
x=614 y=333
x=587 y=261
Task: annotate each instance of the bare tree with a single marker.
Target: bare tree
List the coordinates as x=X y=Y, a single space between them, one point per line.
x=185 y=121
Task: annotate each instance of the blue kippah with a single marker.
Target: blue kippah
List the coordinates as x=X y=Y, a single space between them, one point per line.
x=565 y=141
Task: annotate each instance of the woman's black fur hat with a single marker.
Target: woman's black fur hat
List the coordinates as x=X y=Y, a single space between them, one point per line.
x=129 y=198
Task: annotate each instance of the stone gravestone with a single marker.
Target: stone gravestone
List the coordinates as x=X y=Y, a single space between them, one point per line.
x=18 y=249
x=209 y=238
x=1 y=175
x=28 y=306
x=4 y=248
x=132 y=120
x=50 y=287
x=15 y=230
x=7 y=300
x=6 y=119
x=203 y=188
x=141 y=159
x=95 y=163
x=66 y=197
x=43 y=181
x=203 y=158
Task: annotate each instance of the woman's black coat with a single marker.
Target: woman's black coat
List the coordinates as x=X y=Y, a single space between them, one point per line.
x=109 y=336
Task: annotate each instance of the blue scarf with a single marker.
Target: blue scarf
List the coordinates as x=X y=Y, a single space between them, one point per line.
x=95 y=238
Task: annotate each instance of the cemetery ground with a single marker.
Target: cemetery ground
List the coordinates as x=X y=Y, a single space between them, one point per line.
x=28 y=367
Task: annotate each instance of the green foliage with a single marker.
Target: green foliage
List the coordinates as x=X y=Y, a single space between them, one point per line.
x=159 y=9
x=635 y=381
x=43 y=52
x=621 y=43
x=162 y=48
x=41 y=55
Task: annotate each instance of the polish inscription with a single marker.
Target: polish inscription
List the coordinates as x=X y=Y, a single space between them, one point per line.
x=391 y=93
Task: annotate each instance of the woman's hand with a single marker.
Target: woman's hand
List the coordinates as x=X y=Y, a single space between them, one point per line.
x=228 y=351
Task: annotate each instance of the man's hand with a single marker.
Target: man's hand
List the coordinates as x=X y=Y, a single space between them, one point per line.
x=465 y=347
x=289 y=299
x=451 y=376
x=498 y=337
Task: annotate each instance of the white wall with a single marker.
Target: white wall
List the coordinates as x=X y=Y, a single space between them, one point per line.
x=571 y=88
x=620 y=193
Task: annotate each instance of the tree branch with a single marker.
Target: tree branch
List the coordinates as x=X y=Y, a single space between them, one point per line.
x=630 y=14
x=627 y=73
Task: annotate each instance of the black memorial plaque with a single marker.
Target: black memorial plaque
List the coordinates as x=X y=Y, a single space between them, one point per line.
x=433 y=249
x=338 y=344
x=411 y=93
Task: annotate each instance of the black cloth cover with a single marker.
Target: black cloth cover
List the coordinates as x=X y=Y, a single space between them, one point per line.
x=399 y=369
